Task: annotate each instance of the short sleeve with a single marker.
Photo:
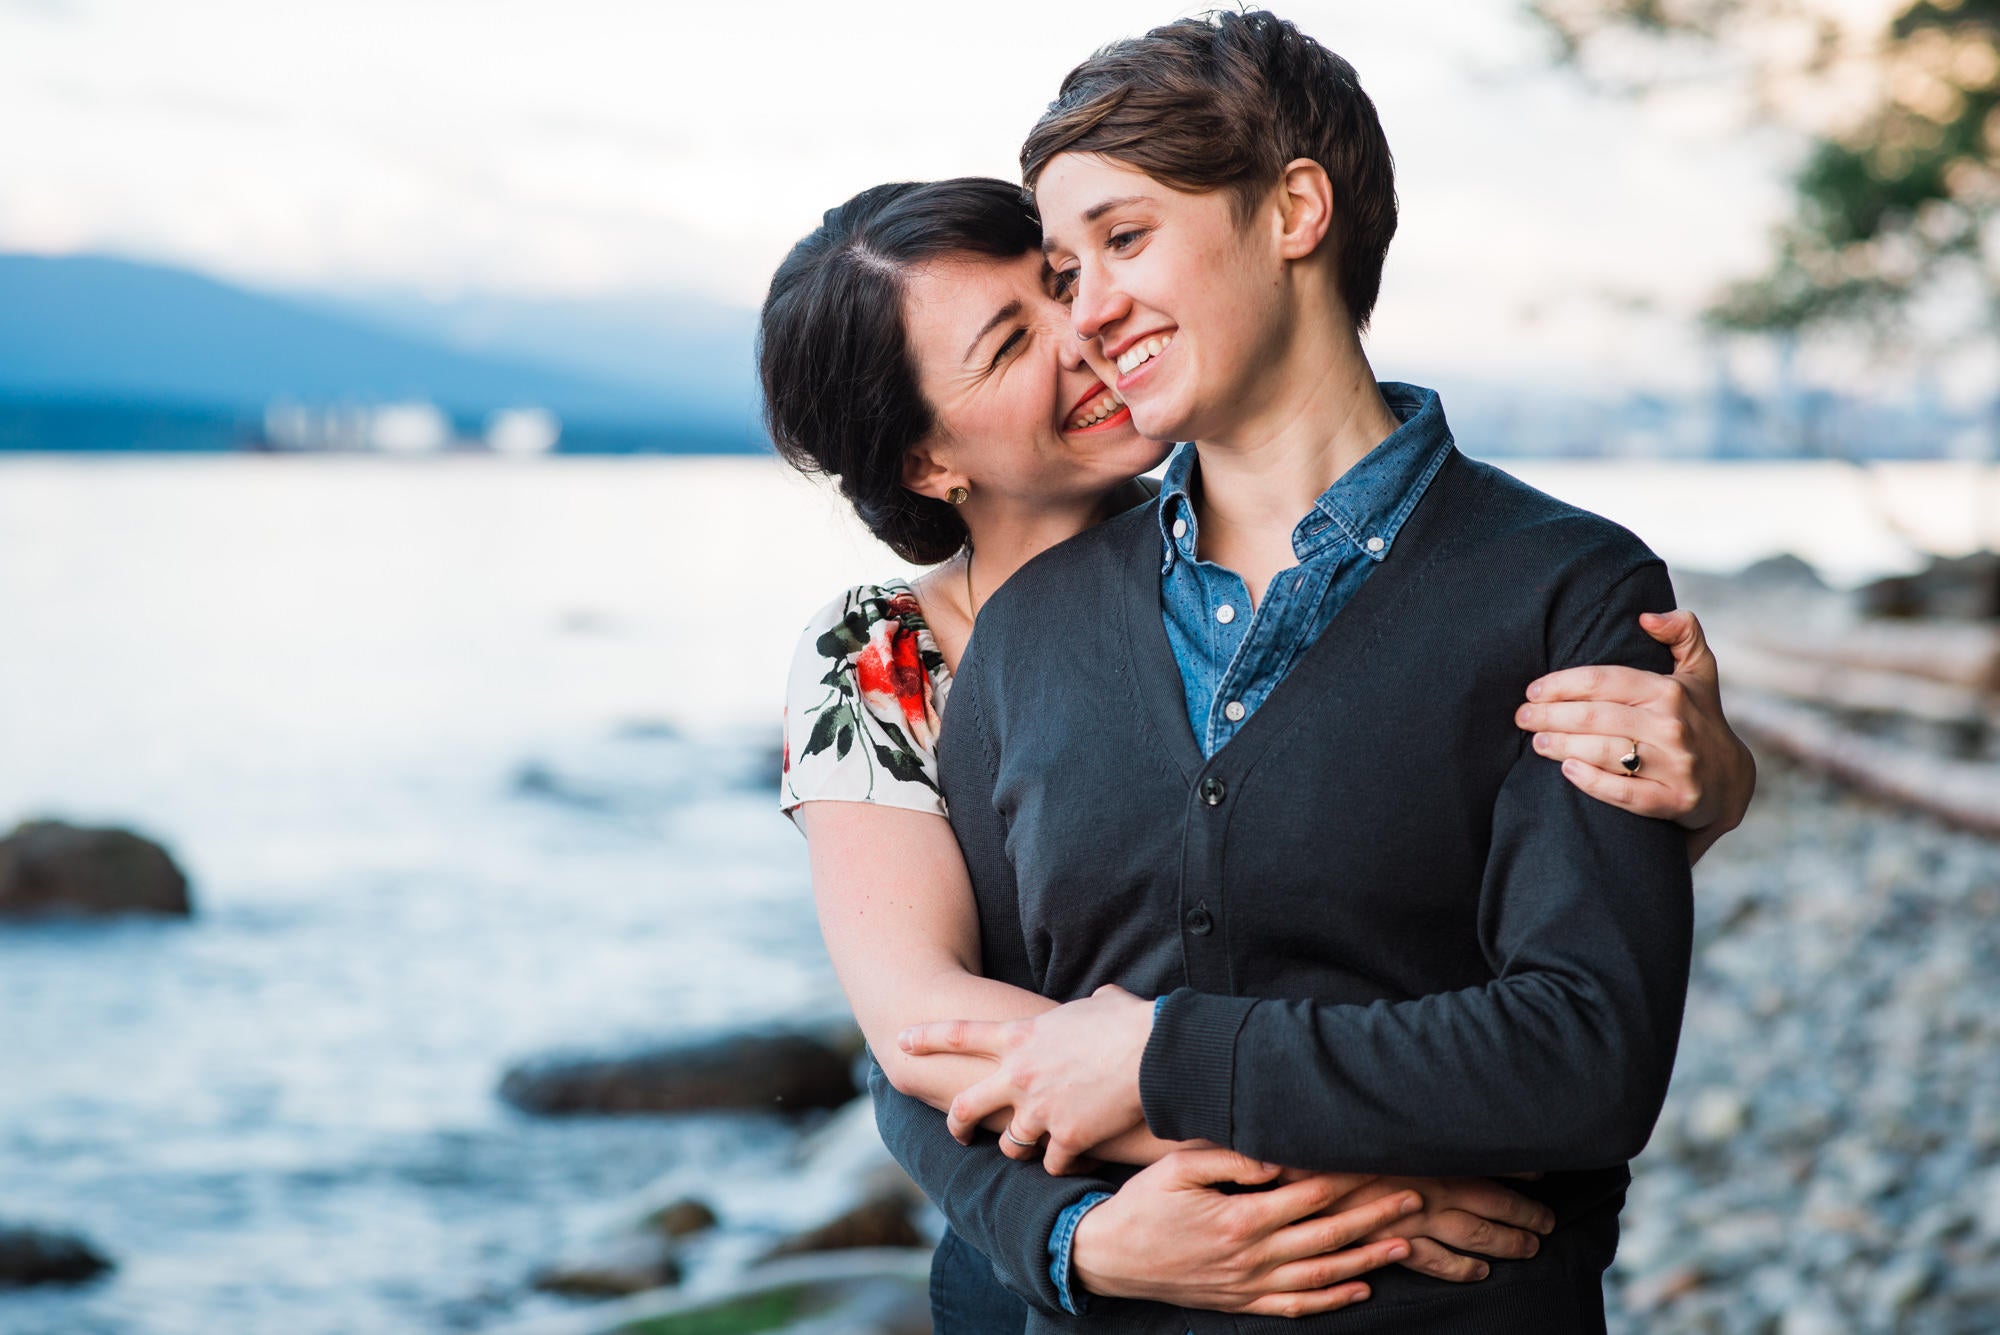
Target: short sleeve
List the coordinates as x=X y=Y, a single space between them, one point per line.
x=862 y=704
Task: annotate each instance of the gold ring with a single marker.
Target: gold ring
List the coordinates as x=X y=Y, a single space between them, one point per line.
x=1629 y=762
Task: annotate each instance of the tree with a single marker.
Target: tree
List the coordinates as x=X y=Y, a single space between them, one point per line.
x=1898 y=195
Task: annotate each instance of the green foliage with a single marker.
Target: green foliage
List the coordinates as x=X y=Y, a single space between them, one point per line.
x=739 y=1316
x=1898 y=196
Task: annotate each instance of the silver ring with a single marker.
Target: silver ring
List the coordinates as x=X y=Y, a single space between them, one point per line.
x=1024 y=1144
x=1629 y=762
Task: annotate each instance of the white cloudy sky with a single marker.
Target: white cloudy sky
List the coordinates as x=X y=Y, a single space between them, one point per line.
x=625 y=146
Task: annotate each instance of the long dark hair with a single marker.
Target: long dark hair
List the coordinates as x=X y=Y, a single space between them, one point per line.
x=840 y=384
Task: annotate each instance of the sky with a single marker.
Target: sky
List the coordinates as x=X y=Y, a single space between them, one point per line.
x=614 y=147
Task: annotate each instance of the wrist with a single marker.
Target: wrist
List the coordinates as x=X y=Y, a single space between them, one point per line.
x=1746 y=780
x=1092 y=1259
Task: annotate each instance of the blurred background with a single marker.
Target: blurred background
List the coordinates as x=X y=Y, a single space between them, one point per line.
x=397 y=932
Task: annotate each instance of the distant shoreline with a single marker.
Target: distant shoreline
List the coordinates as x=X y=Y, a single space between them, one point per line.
x=57 y=426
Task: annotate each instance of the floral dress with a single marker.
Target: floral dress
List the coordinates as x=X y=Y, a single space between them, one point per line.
x=861 y=710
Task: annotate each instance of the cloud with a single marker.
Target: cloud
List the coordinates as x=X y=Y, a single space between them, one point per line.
x=468 y=145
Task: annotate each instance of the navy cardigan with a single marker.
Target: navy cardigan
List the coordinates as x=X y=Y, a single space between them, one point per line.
x=1391 y=937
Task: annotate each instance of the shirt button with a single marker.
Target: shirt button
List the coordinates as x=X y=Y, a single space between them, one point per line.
x=1225 y=614
x=1376 y=544
x=1233 y=711
x=1212 y=791
x=1199 y=922
x=1180 y=528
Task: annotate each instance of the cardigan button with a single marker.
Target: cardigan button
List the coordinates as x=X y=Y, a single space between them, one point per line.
x=1212 y=791
x=1199 y=922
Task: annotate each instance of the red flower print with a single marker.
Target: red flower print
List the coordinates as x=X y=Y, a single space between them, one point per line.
x=888 y=669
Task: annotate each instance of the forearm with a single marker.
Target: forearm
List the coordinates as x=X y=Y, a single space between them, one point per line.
x=1140 y=1147
x=892 y=1005
x=903 y=936
x=1484 y=1082
x=937 y=1078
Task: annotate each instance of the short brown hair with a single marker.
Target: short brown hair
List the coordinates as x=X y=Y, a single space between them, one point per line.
x=1224 y=101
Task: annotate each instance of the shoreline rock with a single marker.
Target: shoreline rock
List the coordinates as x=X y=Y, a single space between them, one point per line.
x=883 y=1220
x=32 y=1256
x=633 y=1263
x=784 y=1072
x=49 y=867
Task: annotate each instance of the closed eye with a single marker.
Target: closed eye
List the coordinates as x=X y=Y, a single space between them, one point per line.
x=1013 y=341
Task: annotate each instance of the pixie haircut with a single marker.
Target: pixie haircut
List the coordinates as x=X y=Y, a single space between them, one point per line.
x=1223 y=102
x=841 y=393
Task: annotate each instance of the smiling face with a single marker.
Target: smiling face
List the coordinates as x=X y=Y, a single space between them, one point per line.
x=1023 y=415
x=1186 y=297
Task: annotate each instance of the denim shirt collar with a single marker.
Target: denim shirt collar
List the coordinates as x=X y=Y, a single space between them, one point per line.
x=1366 y=505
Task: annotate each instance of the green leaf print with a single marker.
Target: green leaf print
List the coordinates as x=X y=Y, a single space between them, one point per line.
x=903 y=765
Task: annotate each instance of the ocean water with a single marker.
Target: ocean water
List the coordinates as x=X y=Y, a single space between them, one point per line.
x=470 y=759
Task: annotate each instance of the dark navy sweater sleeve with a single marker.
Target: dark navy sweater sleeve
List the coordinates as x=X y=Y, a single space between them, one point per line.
x=1560 y=1061
x=1005 y=1208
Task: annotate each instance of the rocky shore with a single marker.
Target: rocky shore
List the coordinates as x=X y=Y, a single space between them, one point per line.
x=1829 y=1157
x=683 y=1265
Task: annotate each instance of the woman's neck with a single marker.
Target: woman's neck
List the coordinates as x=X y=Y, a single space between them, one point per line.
x=1003 y=540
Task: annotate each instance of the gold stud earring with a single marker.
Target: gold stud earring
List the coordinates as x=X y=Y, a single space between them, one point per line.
x=957 y=495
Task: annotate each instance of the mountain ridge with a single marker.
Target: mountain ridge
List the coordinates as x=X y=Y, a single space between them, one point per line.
x=101 y=330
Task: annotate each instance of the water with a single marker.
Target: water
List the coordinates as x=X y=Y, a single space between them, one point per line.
x=321 y=682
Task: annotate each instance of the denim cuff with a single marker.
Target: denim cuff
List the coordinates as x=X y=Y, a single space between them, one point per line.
x=1075 y=1301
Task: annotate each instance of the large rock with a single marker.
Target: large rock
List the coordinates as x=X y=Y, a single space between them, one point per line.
x=48 y=866
x=39 y=1256
x=1962 y=588
x=1783 y=571
x=682 y=1218
x=630 y=1264
x=772 y=1072
x=881 y=1221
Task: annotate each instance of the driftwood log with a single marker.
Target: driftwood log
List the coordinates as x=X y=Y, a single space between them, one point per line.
x=1855 y=690
x=1960 y=792
x=1965 y=654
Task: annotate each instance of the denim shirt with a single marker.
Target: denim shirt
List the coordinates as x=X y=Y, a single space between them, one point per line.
x=1232 y=658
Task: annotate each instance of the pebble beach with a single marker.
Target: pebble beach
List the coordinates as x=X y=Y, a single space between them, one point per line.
x=1829 y=1156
